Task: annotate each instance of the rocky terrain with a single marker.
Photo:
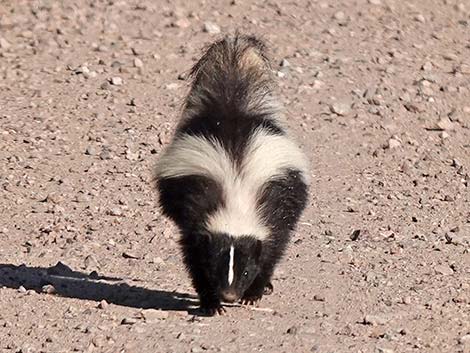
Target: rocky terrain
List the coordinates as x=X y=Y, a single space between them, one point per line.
x=377 y=93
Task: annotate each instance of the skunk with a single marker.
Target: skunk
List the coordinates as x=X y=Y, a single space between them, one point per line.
x=232 y=179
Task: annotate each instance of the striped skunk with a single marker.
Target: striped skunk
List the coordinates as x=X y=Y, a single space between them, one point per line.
x=232 y=180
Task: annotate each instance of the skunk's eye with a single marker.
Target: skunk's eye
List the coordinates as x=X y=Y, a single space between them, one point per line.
x=245 y=273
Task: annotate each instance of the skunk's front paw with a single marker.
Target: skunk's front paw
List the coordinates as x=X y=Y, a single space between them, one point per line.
x=251 y=299
x=268 y=289
x=213 y=311
x=211 y=308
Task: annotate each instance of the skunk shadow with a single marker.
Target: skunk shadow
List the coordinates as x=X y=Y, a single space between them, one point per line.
x=74 y=284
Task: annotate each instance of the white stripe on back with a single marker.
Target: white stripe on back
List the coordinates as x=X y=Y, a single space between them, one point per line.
x=267 y=156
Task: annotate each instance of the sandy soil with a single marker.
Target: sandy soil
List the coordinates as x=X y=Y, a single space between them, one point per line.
x=378 y=93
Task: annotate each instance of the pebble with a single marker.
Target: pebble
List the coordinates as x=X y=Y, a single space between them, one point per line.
x=384 y=350
x=211 y=28
x=319 y=298
x=443 y=270
x=427 y=66
x=181 y=23
x=91 y=262
x=419 y=18
x=393 y=143
x=355 y=235
x=129 y=255
x=374 y=320
x=90 y=151
x=292 y=330
x=48 y=289
x=375 y=2
x=339 y=16
x=172 y=86
x=115 y=211
x=340 y=108
x=21 y=289
x=153 y=315
x=4 y=44
x=138 y=62
x=465 y=340
x=128 y=321
x=103 y=304
x=445 y=124
x=284 y=63
x=116 y=81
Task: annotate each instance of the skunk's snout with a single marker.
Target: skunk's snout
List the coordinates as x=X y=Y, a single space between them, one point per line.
x=229 y=296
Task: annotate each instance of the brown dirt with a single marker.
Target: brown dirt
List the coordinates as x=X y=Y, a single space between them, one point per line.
x=77 y=153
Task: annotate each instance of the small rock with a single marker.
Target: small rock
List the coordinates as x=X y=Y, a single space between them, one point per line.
x=48 y=289
x=21 y=289
x=138 y=62
x=415 y=107
x=317 y=84
x=90 y=151
x=427 y=66
x=465 y=340
x=340 y=108
x=355 y=235
x=393 y=143
x=211 y=28
x=4 y=44
x=375 y=2
x=406 y=300
x=115 y=211
x=445 y=124
x=153 y=315
x=340 y=16
x=91 y=262
x=129 y=255
x=384 y=350
x=374 y=320
x=419 y=18
x=292 y=330
x=128 y=321
x=116 y=81
x=444 y=135
x=103 y=304
x=284 y=63
x=181 y=23
x=443 y=270
x=319 y=298
x=172 y=86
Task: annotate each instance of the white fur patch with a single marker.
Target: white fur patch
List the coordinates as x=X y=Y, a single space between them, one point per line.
x=266 y=158
x=230 y=265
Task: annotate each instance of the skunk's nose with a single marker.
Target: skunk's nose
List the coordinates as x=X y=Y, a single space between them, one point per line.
x=229 y=296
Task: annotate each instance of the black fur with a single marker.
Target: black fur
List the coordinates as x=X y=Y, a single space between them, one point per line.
x=232 y=128
x=282 y=201
x=229 y=101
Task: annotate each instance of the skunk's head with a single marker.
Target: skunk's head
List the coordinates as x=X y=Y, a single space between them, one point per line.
x=235 y=263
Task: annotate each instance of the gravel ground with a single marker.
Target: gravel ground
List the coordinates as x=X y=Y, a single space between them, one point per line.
x=378 y=93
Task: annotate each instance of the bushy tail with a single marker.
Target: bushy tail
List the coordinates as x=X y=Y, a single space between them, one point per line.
x=234 y=74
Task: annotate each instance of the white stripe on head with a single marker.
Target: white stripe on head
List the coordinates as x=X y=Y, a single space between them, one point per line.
x=230 y=265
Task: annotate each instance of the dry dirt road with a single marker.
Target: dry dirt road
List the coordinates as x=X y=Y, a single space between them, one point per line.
x=378 y=93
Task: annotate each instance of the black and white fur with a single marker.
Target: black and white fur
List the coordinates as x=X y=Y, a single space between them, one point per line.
x=232 y=179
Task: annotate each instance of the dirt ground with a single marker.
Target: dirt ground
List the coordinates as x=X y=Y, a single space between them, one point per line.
x=378 y=94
